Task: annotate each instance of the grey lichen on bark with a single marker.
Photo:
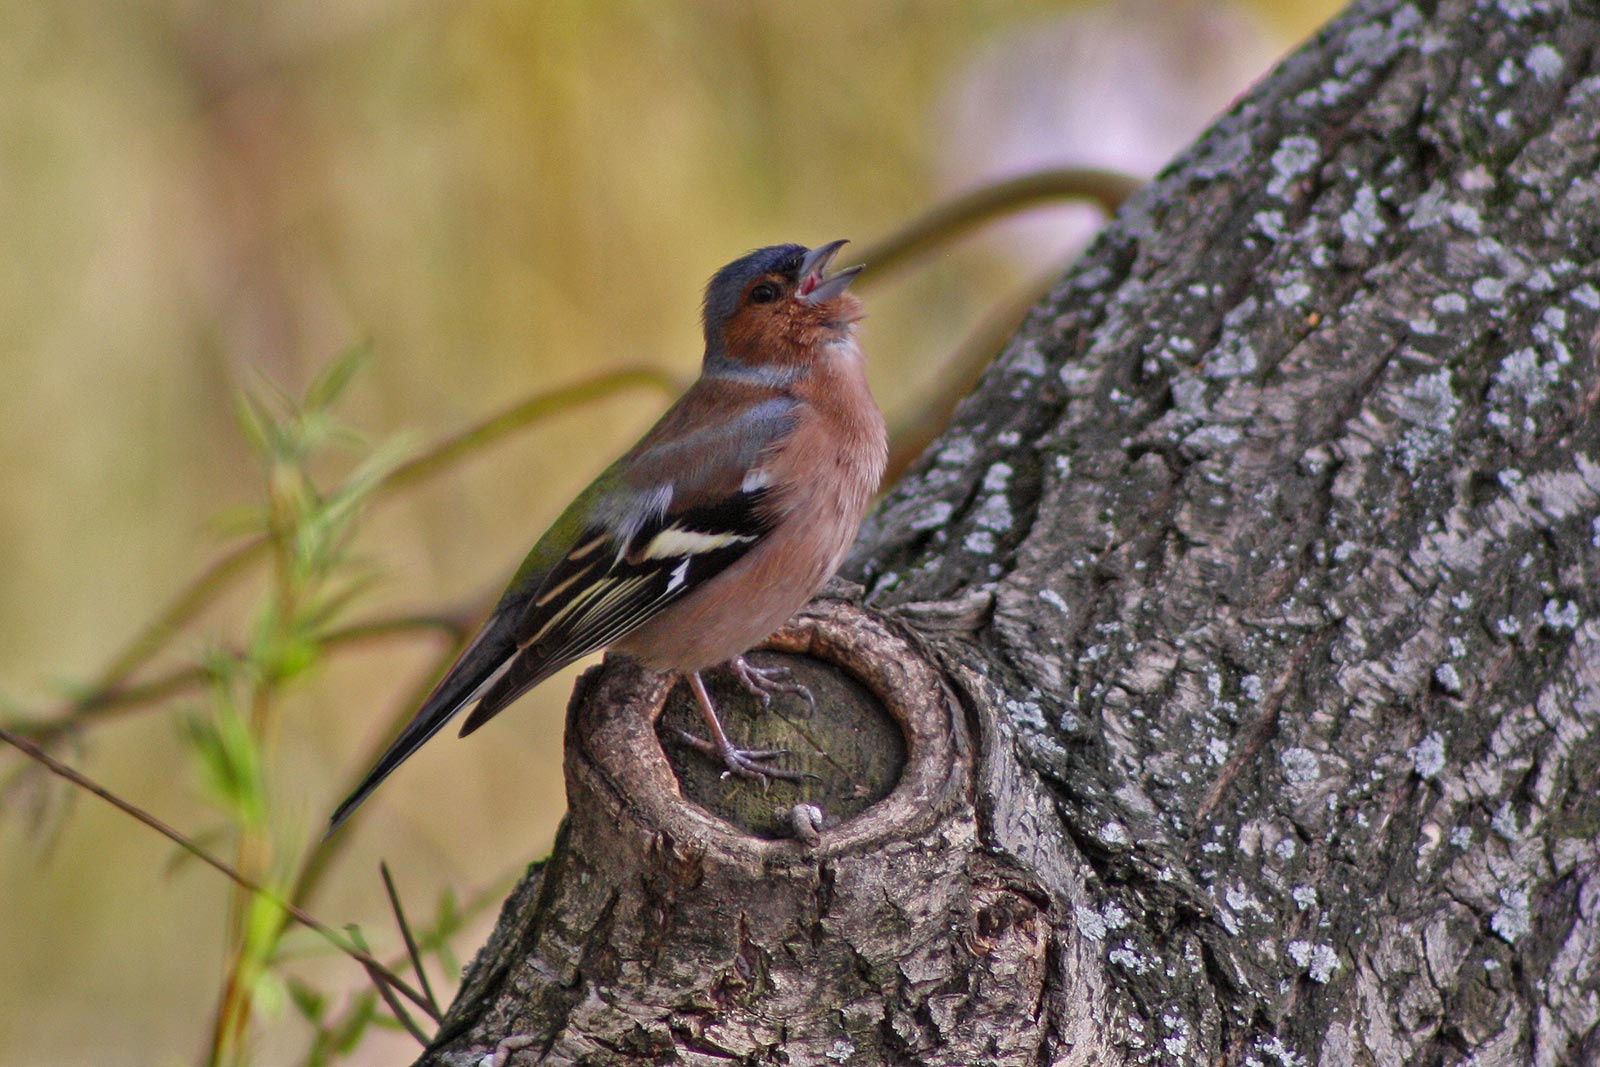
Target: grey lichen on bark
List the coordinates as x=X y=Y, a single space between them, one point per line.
x=1258 y=588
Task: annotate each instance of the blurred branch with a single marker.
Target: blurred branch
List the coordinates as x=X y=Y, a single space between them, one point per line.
x=519 y=416
x=110 y=690
x=315 y=863
x=960 y=375
x=190 y=677
x=376 y=970
x=201 y=590
x=953 y=219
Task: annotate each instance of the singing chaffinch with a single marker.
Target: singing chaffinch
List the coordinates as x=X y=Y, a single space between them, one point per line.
x=709 y=533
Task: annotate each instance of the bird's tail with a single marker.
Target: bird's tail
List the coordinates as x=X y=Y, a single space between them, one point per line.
x=477 y=668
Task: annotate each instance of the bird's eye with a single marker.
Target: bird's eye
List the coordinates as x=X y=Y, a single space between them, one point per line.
x=765 y=293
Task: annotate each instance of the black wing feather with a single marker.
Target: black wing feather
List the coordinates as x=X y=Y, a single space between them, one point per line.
x=631 y=590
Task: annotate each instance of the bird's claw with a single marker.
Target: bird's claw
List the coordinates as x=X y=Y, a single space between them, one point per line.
x=746 y=762
x=764 y=682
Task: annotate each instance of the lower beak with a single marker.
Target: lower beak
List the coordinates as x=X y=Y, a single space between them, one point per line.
x=814 y=288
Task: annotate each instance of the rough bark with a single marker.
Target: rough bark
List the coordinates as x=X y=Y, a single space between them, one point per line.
x=1244 y=627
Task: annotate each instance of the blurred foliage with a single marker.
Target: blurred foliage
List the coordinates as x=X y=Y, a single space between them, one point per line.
x=504 y=199
x=313 y=581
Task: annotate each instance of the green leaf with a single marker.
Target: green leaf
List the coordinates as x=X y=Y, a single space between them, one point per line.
x=269 y=996
x=447 y=919
x=258 y=423
x=331 y=383
x=449 y=962
x=294 y=656
x=310 y=1003
x=317 y=1054
x=240 y=520
x=347 y=1033
x=229 y=762
x=357 y=938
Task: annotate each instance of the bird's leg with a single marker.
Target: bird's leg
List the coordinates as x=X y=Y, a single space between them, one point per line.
x=764 y=682
x=745 y=762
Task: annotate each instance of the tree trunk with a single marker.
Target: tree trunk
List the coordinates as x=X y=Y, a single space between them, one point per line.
x=1243 y=633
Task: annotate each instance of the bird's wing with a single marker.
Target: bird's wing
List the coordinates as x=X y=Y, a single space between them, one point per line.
x=684 y=504
x=678 y=509
x=606 y=588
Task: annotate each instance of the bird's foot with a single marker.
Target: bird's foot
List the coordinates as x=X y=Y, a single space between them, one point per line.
x=766 y=682
x=746 y=762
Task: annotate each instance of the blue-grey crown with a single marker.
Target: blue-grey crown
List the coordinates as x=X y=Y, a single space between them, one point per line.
x=726 y=286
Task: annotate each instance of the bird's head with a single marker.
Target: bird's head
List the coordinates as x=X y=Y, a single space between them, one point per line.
x=776 y=305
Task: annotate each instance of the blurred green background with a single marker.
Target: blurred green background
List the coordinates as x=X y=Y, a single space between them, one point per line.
x=501 y=198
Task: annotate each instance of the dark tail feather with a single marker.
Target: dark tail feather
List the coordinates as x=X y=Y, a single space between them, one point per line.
x=480 y=660
x=527 y=671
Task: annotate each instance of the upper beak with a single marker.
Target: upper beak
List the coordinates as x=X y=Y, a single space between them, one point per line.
x=814 y=289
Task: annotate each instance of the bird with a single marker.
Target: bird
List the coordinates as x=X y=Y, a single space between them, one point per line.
x=708 y=534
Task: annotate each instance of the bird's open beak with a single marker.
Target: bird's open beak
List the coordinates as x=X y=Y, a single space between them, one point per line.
x=814 y=288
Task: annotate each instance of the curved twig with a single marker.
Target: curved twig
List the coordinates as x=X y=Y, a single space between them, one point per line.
x=1106 y=188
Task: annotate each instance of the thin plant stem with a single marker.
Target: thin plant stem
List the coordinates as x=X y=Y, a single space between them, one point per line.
x=405 y=934
x=190 y=677
x=299 y=915
x=401 y=1014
